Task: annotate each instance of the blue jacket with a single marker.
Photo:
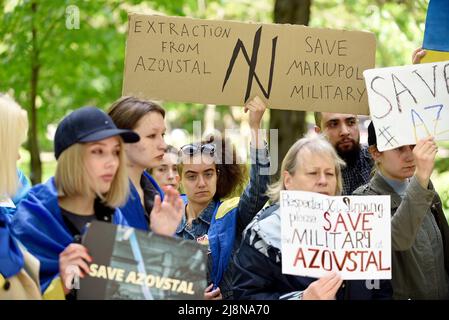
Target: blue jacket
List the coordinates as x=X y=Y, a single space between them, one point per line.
x=38 y=224
x=259 y=274
x=221 y=236
x=11 y=258
x=133 y=211
x=224 y=221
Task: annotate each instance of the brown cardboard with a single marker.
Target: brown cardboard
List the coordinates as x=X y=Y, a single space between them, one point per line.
x=189 y=60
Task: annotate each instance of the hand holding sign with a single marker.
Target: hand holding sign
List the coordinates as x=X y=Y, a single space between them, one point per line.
x=424 y=153
x=73 y=262
x=417 y=55
x=324 y=288
x=409 y=103
x=256 y=109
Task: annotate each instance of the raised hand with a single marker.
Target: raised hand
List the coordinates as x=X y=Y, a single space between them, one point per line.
x=424 y=153
x=256 y=108
x=417 y=55
x=167 y=215
x=325 y=288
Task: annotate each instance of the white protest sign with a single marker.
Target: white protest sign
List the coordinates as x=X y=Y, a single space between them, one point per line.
x=409 y=103
x=347 y=234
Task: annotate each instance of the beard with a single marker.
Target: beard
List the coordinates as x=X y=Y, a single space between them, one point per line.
x=351 y=155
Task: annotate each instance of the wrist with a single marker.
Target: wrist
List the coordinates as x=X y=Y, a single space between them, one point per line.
x=423 y=180
x=254 y=127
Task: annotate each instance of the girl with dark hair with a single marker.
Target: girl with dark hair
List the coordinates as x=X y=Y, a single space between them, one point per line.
x=146 y=118
x=210 y=174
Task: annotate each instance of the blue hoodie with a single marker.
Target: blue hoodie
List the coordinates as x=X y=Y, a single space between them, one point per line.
x=38 y=224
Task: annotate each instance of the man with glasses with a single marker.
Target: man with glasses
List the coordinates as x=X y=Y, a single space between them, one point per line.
x=342 y=131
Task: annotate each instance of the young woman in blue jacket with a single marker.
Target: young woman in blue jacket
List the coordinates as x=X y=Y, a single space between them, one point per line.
x=146 y=118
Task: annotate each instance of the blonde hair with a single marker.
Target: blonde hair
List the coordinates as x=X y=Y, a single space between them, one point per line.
x=315 y=143
x=13 y=132
x=72 y=177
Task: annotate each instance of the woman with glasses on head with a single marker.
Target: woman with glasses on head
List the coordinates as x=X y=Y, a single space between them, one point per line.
x=146 y=118
x=210 y=174
x=419 y=229
x=166 y=174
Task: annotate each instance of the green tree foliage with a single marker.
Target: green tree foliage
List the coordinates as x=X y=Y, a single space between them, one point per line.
x=53 y=63
x=397 y=24
x=52 y=66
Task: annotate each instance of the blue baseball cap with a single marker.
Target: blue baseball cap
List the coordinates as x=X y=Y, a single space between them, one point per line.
x=88 y=124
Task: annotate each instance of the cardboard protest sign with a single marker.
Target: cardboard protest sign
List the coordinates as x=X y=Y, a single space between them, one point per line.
x=436 y=40
x=347 y=234
x=409 y=103
x=129 y=264
x=222 y=62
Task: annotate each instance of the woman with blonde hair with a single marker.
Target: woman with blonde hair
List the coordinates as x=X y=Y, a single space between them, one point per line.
x=312 y=165
x=13 y=132
x=18 y=269
x=91 y=181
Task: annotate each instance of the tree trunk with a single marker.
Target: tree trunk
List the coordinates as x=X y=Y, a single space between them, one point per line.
x=291 y=124
x=33 y=142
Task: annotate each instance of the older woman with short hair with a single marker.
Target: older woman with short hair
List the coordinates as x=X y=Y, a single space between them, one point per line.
x=312 y=165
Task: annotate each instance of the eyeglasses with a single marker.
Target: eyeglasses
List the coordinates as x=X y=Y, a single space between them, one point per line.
x=194 y=148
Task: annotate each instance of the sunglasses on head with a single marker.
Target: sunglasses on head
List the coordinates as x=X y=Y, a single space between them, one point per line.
x=194 y=148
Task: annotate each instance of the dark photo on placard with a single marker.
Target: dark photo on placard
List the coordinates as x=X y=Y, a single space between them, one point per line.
x=129 y=264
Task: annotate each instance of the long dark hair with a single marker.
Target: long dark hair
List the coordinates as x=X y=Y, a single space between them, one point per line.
x=232 y=174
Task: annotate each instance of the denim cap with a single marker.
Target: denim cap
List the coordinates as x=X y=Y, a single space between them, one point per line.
x=88 y=124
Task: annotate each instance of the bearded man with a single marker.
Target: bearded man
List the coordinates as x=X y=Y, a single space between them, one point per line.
x=342 y=131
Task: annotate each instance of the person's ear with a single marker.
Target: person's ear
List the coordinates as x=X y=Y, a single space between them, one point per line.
x=287 y=179
x=317 y=129
x=375 y=153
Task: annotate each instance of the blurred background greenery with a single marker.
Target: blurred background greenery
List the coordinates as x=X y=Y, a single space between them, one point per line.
x=52 y=68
